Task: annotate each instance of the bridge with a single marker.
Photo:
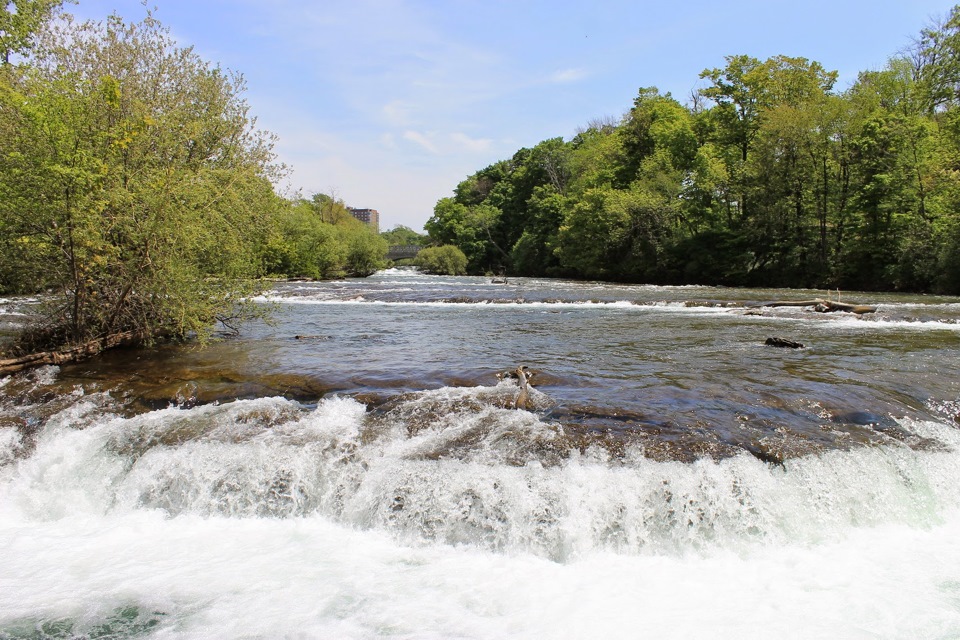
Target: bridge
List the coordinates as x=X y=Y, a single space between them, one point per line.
x=401 y=251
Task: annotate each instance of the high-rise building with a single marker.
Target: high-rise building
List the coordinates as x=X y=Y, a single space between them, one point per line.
x=369 y=216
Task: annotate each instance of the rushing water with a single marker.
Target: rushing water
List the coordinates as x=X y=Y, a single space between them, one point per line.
x=357 y=470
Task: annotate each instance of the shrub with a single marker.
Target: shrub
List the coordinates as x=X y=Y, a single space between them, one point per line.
x=447 y=260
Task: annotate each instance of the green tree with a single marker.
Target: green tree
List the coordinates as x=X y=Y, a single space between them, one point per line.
x=20 y=20
x=366 y=250
x=768 y=177
x=737 y=91
x=135 y=182
x=935 y=58
x=467 y=228
x=656 y=123
x=891 y=179
x=402 y=235
x=616 y=234
x=534 y=252
x=301 y=243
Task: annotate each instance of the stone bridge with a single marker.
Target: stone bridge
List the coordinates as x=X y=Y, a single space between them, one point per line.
x=400 y=251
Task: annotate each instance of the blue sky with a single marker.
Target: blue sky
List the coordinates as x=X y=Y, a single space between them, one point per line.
x=389 y=104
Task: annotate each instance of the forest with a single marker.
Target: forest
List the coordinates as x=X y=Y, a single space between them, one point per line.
x=137 y=192
x=767 y=175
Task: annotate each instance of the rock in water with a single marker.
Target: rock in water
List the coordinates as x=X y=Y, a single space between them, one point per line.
x=783 y=342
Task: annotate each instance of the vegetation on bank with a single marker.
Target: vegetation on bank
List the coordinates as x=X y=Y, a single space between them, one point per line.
x=401 y=235
x=446 y=260
x=136 y=189
x=767 y=176
x=318 y=238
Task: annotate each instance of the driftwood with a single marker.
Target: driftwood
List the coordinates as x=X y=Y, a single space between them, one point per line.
x=72 y=354
x=523 y=398
x=523 y=375
x=824 y=306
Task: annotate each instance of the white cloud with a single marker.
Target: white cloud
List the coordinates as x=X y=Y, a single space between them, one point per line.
x=564 y=76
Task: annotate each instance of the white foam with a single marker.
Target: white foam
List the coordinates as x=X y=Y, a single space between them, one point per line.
x=269 y=578
x=261 y=518
x=10 y=444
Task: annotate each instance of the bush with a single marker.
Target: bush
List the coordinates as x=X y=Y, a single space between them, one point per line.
x=447 y=260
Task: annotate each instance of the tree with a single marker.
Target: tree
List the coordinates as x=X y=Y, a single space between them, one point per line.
x=534 y=252
x=20 y=20
x=366 y=250
x=656 y=122
x=737 y=93
x=135 y=181
x=935 y=57
x=768 y=178
x=467 y=228
x=402 y=235
x=300 y=242
x=616 y=234
x=301 y=245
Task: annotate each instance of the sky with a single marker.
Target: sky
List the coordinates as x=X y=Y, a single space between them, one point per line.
x=388 y=104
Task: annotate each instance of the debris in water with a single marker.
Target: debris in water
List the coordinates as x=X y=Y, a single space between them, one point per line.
x=783 y=342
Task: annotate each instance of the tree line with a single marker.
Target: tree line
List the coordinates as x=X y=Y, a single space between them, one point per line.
x=136 y=190
x=767 y=176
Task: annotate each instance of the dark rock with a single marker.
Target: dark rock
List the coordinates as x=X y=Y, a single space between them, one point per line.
x=783 y=342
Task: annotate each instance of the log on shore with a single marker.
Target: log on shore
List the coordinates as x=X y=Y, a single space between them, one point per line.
x=71 y=354
x=823 y=306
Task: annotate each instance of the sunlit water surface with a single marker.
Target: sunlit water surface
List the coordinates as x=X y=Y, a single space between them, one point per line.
x=356 y=470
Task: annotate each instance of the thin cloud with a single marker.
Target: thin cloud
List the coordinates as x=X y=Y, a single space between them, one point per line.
x=389 y=141
x=465 y=142
x=420 y=139
x=565 y=76
x=397 y=113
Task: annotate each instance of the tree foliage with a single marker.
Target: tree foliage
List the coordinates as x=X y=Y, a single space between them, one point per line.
x=445 y=260
x=136 y=191
x=20 y=20
x=319 y=239
x=402 y=235
x=768 y=177
x=133 y=183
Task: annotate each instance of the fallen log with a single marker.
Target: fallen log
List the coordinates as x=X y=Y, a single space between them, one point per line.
x=826 y=306
x=71 y=354
x=823 y=306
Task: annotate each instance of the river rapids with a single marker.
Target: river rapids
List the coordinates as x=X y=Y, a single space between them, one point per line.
x=357 y=469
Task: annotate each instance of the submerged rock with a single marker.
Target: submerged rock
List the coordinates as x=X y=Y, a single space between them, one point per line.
x=783 y=342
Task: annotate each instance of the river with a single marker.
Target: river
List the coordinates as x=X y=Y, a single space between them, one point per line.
x=356 y=469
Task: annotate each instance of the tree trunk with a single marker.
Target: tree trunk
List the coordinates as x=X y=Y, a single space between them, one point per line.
x=72 y=354
x=824 y=306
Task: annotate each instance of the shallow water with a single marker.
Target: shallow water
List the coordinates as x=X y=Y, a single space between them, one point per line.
x=357 y=471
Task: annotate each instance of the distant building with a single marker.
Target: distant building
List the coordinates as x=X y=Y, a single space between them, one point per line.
x=370 y=216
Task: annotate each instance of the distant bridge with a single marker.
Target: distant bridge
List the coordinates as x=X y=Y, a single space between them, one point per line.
x=400 y=251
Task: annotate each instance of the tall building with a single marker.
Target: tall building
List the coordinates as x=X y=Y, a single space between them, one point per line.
x=370 y=216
